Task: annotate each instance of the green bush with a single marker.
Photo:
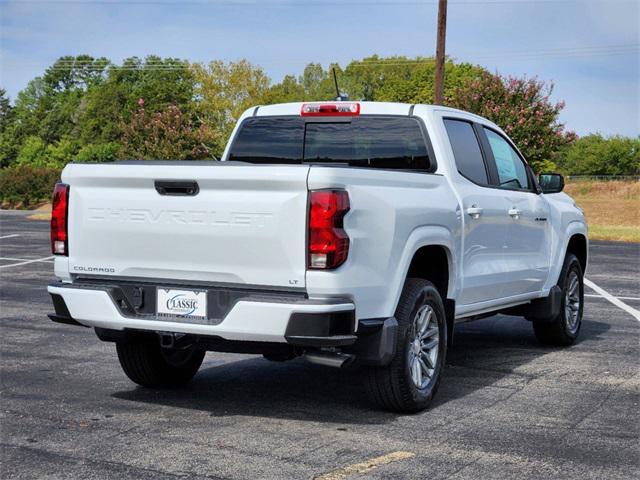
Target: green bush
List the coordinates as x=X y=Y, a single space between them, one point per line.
x=598 y=155
x=98 y=152
x=24 y=186
x=37 y=153
x=32 y=152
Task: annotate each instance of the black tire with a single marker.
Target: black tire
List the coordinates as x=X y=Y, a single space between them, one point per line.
x=391 y=387
x=149 y=365
x=563 y=329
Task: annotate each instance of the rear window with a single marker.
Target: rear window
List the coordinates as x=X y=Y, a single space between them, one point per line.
x=373 y=142
x=269 y=140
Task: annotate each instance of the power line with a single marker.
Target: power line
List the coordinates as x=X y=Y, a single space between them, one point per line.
x=570 y=52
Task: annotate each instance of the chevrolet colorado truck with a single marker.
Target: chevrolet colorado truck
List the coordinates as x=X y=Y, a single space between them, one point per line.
x=343 y=232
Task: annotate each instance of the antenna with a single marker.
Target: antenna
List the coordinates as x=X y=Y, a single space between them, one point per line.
x=335 y=80
x=339 y=96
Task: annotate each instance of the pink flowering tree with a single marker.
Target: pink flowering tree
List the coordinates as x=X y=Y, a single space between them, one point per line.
x=522 y=108
x=166 y=135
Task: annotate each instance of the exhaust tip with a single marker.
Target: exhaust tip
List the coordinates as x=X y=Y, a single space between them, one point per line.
x=330 y=359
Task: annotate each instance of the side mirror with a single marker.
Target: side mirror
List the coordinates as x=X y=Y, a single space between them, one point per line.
x=551 y=182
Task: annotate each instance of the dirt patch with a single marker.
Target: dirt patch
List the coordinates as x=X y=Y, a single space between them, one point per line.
x=45 y=207
x=40 y=216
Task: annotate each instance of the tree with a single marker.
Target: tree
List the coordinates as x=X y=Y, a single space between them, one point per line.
x=166 y=135
x=223 y=91
x=597 y=155
x=98 y=152
x=522 y=108
x=368 y=77
x=32 y=152
x=83 y=106
x=391 y=79
x=6 y=110
x=313 y=85
x=312 y=79
x=57 y=106
x=28 y=110
x=289 y=90
x=75 y=73
x=60 y=153
x=36 y=152
x=8 y=145
x=161 y=82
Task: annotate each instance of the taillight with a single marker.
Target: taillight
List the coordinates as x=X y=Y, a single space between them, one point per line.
x=328 y=242
x=59 y=237
x=341 y=109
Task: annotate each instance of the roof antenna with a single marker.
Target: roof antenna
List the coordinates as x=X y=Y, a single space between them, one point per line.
x=340 y=97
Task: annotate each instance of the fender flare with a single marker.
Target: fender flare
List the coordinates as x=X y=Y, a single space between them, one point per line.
x=573 y=228
x=425 y=236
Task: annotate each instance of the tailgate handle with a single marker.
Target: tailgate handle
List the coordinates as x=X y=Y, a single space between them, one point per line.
x=177 y=187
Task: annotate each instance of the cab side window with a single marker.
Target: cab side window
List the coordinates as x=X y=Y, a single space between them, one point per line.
x=512 y=171
x=466 y=151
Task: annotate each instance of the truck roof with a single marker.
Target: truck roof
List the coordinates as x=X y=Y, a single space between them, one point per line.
x=366 y=108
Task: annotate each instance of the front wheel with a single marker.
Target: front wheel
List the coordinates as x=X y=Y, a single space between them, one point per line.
x=148 y=364
x=410 y=381
x=564 y=328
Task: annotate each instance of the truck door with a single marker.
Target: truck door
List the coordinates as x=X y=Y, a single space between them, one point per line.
x=483 y=218
x=527 y=254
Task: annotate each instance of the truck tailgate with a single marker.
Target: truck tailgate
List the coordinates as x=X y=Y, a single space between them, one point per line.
x=246 y=225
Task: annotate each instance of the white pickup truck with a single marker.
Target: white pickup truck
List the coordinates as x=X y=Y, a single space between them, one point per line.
x=344 y=232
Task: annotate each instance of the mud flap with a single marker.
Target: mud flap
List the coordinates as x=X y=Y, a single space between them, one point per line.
x=376 y=342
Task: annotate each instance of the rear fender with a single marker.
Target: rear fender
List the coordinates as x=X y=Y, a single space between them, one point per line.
x=425 y=236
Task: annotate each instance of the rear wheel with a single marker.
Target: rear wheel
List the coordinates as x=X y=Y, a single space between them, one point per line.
x=410 y=381
x=564 y=328
x=148 y=364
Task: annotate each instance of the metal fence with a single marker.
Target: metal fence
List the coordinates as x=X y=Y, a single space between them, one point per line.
x=587 y=178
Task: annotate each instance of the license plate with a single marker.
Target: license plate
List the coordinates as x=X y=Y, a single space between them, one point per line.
x=181 y=303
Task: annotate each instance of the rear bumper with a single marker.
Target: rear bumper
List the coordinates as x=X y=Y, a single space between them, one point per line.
x=287 y=319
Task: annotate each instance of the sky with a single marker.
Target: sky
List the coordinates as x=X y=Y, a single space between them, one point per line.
x=589 y=49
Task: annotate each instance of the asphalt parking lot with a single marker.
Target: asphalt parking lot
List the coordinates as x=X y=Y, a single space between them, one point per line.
x=507 y=407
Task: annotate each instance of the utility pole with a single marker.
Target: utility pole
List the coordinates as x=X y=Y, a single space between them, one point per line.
x=442 y=33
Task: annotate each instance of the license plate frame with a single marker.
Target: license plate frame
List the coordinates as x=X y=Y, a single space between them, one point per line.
x=180 y=303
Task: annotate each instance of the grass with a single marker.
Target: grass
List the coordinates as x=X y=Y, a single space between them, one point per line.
x=612 y=208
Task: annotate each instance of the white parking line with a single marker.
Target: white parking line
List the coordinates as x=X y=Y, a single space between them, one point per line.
x=617 y=302
x=595 y=295
x=26 y=262
x=10 y=236
x=26 y=259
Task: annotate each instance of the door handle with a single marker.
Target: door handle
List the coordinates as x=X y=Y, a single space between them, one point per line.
x=474 y=211
x=515 y=213
x=177 y=187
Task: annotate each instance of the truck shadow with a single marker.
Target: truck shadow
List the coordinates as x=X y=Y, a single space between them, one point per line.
x=488 y=352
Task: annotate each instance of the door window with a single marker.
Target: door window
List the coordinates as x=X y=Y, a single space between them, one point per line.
x=512 y=171
x=466 y=151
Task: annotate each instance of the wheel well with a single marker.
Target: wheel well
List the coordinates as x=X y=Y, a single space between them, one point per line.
x=431 y=263
x=578 y=246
